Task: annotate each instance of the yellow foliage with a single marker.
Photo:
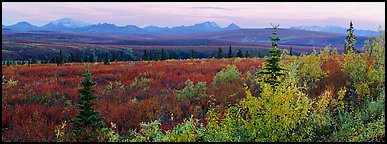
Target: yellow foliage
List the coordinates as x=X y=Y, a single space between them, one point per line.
x=60 y=131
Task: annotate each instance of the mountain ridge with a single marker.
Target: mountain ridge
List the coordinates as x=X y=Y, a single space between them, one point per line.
x=336 y=29
x=70 y=25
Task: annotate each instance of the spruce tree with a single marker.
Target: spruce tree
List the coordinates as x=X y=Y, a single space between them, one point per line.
x=163 y=56
x=81 y=57
x=121 y=57
x=350 y=39
x=72 y=57
x=8 y=63
x=192 y=54
x=98 y=57
x=239 y=54
x=229 y=53
x=60 y=59
x=247 y=55
x=78 y=58
x=272 y=68
x=150 y=55
x=157 y=55
x=86 y=122
x=33 y=60
x=86 y=59
x=220 y=54
x=106 y=60
x=291 y=51
x=145 y=56
x=259 y=55
x=170 y=55
x=91 y=58
x=45 y=59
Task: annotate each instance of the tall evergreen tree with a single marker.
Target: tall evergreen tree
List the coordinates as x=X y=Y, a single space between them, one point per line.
x=106 y=60
x=86 y=122
x=121 y=57
x=69 y=59
x=72 y=57
x=291 y=51
x=98 y=57
x=350 y=39
x=86 y=58
x=230 y=53
x=8 y=63
x=91 y=58
x=60 y=59
x=150 y=55
x=145 y=56
x=163 y=56
x=45 y=59
x=77 y=58
x=192 y=54
x=220 y=54
x=81 y=59
x=247 y=55
x=272 y=68
x=157 y=55
x=170 y=55
x=259 y=55
x=239 y=54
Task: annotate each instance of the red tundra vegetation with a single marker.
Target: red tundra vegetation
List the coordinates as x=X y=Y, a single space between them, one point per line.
x=130 y=93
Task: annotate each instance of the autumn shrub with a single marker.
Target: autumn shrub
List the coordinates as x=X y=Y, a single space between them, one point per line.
x=227 y=86
x=109 y=134
x=232 y=126
x=190 y=130
x=365 y=72
x=309 y=70
x=229 y=74
x=280 y=115
x=140 y=86
x=191 y=91
x=362 y=125
x=149 y=132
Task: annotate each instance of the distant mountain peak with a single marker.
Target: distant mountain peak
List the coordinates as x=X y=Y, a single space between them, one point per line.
x=209 y=24
x=67 y=22
x=232 y=26
x=153 y=28
x=22 y=26
x=23 y=23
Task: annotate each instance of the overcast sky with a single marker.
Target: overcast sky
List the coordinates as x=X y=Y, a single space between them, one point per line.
x=168 y=14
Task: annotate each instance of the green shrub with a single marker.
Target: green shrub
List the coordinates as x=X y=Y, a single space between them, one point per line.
x=229 y=74
x=192 y=92
x=309 y=70
x=188 y=131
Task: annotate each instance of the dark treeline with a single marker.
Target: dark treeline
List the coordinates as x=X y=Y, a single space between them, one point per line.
x=98 y=55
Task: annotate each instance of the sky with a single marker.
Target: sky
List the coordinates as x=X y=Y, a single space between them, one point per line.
x=365 y=15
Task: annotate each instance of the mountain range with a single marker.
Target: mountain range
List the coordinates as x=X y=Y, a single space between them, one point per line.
x=70 y=25
x=336 y=29
x=202 y=34
x=77 y=26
